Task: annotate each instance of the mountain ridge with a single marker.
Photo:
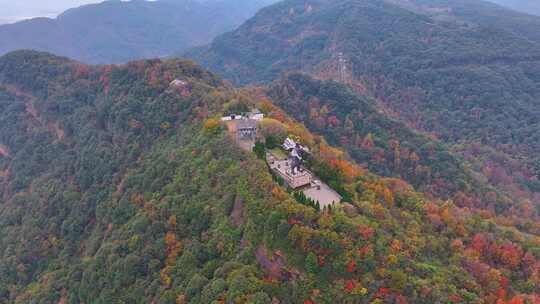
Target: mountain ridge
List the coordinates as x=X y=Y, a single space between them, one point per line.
x=123 y=182
x=118 y=31
x=448 y=79
x=146 y=199
x=525 y=6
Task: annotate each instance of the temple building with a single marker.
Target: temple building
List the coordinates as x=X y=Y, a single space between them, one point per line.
x=253 y=115
x=295 y=177
x=291 y=169
x=246 y=129
x=243 y=127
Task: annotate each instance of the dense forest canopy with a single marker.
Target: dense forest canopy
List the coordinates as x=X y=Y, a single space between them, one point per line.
x=121 y=183
x=474 y=86
x=389 y=148
x=118 y=186
x=526 y=6
x=481 y=13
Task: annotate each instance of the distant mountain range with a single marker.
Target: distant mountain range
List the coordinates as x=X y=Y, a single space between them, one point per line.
x=526 y=6
x=20 y=10
x=118 y=31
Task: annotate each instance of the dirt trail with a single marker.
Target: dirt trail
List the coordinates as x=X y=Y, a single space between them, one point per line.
x=273 y=266
x=276 y=266
x=237 y=214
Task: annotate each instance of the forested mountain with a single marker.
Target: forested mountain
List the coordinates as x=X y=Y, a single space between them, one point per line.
x=476 y=12
x=526 y=6
x=387 y=146
x=473 y=86
x=306 y=27
x=120 y=185
x=118 y=31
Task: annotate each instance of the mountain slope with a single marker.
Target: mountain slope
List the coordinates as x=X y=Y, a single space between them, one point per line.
x=481 y=13
x=383 y=145
x=526 y=6
x=117 y=31
x=86 y=150
x=473 y=87
x=118 y=187
x=389 y=148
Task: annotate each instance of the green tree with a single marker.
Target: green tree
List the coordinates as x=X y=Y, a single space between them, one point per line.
x=259 y=150
x=311 y=263
x=398 y=280
x=237 y=107
x=271 y=142
x=196 y=284
x=261 y=298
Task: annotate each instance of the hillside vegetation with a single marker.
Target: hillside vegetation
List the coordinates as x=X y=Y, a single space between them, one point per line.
x=118 y=187
x=478 y=13
x=526 y=6
x=442 y=68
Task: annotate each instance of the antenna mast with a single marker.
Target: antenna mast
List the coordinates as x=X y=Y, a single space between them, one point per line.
x=342 y=67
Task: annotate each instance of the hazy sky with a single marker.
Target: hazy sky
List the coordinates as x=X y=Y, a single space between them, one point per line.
x=14 y=10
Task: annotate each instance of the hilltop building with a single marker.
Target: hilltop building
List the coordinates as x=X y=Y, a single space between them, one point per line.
x=290 y=144
x=243 y=127
x=294 y=177
x=291 y=169
x=253 y=115
x=178 y=83
x=181 y=87
x=246 y=129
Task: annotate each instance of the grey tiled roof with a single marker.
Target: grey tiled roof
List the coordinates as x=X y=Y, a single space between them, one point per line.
x=246 y=124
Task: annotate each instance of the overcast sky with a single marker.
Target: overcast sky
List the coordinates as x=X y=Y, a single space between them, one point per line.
x=14 y=10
